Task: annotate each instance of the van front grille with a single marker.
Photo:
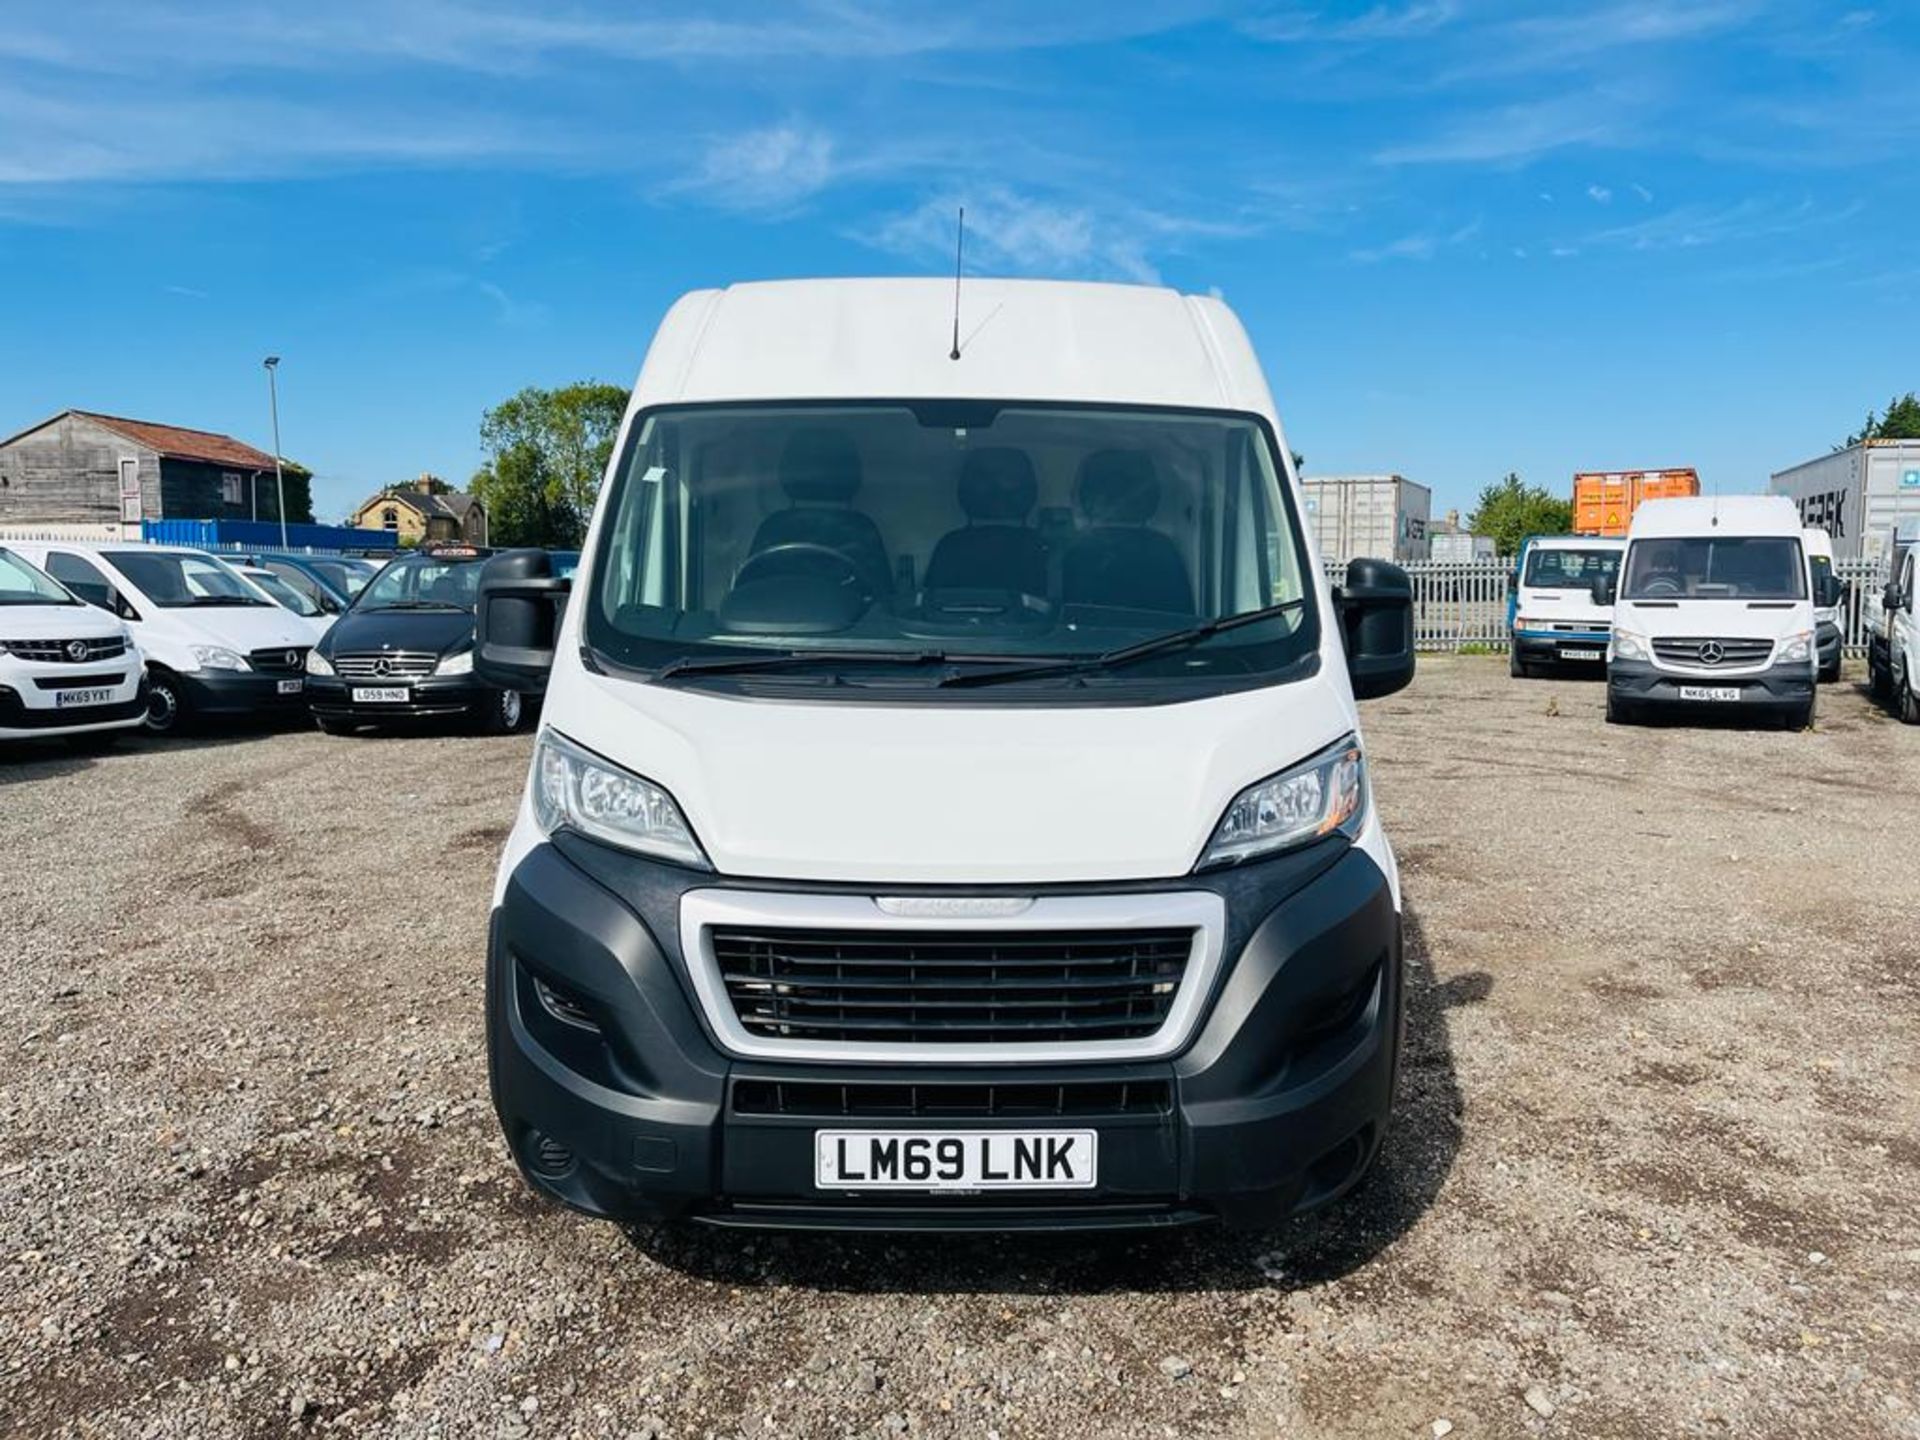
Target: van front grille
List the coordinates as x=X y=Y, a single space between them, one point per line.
x=61 y=652
x=280 y=660
x=385 y=665
x=954 y=987
x=1709 y=652
x=957 y=1101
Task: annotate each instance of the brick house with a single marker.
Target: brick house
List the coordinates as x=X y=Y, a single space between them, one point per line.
x=84 y=468
x=427 y=509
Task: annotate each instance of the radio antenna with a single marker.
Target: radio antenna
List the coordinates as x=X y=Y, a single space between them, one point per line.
x=959 y=250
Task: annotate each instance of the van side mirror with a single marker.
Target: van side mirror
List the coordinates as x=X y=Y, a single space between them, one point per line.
x=1604 y=589
x=1891 y=598
x=1375 y=607
x=1827 y=591
x=1513 y=581
x=516 y=618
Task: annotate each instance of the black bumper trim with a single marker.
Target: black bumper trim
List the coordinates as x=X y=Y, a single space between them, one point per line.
x=1278 y=1104
x=1781 y=688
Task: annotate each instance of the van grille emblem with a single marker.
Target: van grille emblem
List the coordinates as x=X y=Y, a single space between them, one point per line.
x=76 y=650
x=383 y=666
x=1711 y=653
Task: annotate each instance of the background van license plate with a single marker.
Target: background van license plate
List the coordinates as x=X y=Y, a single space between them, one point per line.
x=379 y=694
x=292 y=687
x=1709 y=692
x=955 y=1159
x=1566 y=654
x=82 y=697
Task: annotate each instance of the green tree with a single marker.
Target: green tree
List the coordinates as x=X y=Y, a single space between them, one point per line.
x=546 y=453
x=1901 y=422
x=1510 y=510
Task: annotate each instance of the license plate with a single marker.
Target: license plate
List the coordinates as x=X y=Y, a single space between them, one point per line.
x=955 y=1159
x=380 y=695
x=1581 y=654
x=292 y=687
x=66 y=698
x=1709 y=692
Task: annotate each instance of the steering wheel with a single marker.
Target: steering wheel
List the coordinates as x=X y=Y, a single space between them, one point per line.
x=799 y=557
x=1663 y=585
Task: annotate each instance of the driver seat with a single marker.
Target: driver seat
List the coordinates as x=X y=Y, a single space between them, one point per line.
x=1122 y=561
x=820 y=473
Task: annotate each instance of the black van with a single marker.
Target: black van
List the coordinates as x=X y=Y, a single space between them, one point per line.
x=404 y=651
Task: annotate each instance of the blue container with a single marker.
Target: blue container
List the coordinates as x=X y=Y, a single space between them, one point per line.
x=263 y=535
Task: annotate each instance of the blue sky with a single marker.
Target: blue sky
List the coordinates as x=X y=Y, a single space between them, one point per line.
x=1466 y=237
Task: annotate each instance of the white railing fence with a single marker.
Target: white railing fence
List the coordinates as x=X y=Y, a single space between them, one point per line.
x=1462 y=605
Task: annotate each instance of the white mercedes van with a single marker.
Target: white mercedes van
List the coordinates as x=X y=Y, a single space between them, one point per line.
x=65 y=669
x=1715 y=611
x=1828 y=624
x=214 y=645
x=949 y=808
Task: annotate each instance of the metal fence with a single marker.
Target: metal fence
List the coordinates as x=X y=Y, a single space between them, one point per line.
x=1462 y=605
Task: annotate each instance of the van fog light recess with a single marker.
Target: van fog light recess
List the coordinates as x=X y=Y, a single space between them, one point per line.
x=563 y=1005
x=546 y=1155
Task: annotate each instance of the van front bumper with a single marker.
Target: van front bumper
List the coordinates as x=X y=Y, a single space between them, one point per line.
x=428 y=698
x=1551 y=647
x=1276 y=1105
x=242 y=692
x=1780 y=690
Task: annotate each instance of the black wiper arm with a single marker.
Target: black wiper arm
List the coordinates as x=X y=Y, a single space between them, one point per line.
x=792 y=660
x=1127 y=654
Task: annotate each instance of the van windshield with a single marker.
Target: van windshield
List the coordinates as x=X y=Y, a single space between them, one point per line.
x=21 y=584
x=903 y=543
x=175 y=580
x=1699 y=567
x=1558 y=569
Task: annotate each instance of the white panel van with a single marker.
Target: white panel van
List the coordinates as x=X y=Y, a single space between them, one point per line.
x=949 y=809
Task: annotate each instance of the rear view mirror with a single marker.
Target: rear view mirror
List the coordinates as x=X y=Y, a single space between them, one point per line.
x=516 y=617
x=1603 y=589
x=1513 y=582
x=1827 y=591
x=1376 y=622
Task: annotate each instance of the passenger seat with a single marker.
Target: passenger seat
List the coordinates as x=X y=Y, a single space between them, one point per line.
x=996 y=549
x=820 y=473
x=1121 y=560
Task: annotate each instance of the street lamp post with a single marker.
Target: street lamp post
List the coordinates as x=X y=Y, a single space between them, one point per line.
x=272 y=362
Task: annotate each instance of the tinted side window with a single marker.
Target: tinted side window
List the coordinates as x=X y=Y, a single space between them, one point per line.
x=297 y=578
x=81 y=578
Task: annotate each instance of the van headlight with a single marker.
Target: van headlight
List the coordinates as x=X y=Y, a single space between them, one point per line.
x=576 y=790
x=1626 y=645
x=458 y=663
x=1796 y=647
x=1314 y=798
x=318 y=664
x=217 y=657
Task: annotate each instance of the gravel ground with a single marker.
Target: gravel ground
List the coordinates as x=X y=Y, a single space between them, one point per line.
x=1653 y=1172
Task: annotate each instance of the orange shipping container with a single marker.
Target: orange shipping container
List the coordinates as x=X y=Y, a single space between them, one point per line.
x=1604 y=500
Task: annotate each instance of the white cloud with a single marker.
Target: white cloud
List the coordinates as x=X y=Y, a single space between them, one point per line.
x=1422 y=245
x=1644 y=193
x=1014 y=233
x=1381 y=22
x=774 y=168
x=1600 y=194
x=1514 y=133
x=1689 y=227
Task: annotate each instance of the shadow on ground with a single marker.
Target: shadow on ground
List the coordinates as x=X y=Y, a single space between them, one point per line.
x=1420 y=1149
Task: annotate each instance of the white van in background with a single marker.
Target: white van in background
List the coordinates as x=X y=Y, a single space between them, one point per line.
x=1828 y=632
x=214 y=645
x=65 y=668
x=1555 y=620
x=949 y=810
x=1713 y=610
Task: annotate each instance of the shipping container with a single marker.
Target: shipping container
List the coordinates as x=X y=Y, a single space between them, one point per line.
x=1458 y=547
x=1604 y=500
x=264 y=535
x=1381 y=517
x=1858 y=495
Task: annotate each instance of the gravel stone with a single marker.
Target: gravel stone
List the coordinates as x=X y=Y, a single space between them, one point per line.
x=243 y=967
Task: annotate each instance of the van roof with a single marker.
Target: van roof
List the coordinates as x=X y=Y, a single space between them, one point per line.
x=1717 y=515
x=96 y=547
x=1577 y=542
x=1045 y=340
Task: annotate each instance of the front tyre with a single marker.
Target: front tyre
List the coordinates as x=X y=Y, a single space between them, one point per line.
x=1516 y=667
x=501 y=713
x=1907 y=707
x=167 y=709
x=1619 y=712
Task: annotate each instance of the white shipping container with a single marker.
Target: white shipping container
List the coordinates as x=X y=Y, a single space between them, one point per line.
x=1858 y=495
x=1381 y=517
x=1460 y=547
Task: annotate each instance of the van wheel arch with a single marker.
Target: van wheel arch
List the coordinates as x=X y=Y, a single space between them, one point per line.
x=167 y=708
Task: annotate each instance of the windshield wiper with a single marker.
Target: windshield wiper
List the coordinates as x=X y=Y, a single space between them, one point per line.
x=415 y=605
x=794 y=660
x=1127 y=654
x=227 y=600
